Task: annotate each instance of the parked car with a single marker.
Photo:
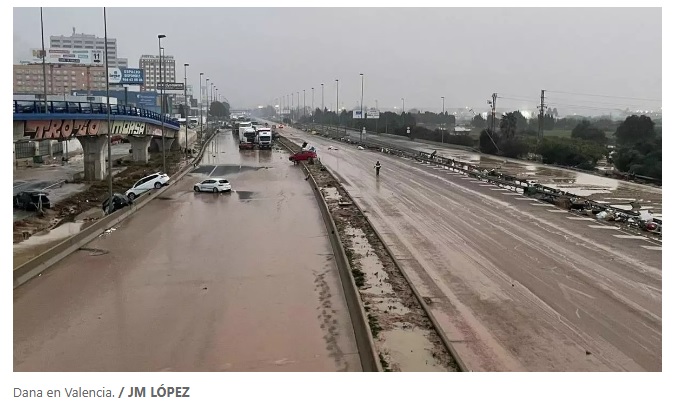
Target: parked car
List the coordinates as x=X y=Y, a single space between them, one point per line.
x=118 y=201
x=32 y=200
x=153 y=181
x=303 y=155
x=213 y=185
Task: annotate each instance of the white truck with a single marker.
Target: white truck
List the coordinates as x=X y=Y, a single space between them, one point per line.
x=264 y=138
x=242 y=126
x=246 y=138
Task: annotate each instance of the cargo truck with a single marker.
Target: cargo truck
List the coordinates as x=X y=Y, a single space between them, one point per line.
x=246 y=138
x=264 y=138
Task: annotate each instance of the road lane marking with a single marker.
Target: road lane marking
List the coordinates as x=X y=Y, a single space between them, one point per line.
x=657 y=248
x=600 y=226
x=475 y=181
x=557 y=211
x=526 y=198
x=212 y=171
x=511 y=194
x=579 y=218
x=629 y=236
x=543 y=204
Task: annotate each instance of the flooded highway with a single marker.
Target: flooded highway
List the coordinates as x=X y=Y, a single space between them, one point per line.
x=602 y=189
x=516 y=284
x=239 y=281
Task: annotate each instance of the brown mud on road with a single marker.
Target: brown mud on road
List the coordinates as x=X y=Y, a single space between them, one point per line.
x=403 y=335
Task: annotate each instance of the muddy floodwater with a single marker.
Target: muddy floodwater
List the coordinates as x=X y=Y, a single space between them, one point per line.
x=602 y=189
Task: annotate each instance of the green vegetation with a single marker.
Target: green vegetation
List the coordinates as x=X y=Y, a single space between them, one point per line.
x=219 y=109
x=639 y=147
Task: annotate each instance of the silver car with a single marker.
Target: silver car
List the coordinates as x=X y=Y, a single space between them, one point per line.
x=213 y=185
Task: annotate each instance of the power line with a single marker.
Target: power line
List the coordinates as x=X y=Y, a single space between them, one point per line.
x=605 y=96
x=594 y=103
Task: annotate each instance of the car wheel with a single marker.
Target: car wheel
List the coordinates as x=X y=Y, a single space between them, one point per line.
x=215 y=190
x=157 y=185
x=196 y=189
x=132 y=196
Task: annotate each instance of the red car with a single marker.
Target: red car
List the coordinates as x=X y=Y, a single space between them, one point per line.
x=303 y=155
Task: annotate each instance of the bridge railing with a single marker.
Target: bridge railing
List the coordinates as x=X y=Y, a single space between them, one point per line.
x=61 y=107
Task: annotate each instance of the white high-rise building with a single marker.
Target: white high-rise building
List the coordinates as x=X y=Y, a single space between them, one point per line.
x=90 y=42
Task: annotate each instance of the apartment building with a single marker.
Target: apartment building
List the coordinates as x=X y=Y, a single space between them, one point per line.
x=90 y=42
x=150 y=63
x=61 y=78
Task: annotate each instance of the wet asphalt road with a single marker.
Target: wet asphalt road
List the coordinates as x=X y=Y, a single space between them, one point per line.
x=240 y=281
x=606 y=190
x=518 y=285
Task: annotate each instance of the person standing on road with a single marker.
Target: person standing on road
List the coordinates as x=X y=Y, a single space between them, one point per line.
x=377 y=167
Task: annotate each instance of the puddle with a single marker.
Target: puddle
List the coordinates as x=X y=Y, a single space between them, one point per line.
x=244 y=195
x=410 y=350
x=374 y=274
x=331 y=193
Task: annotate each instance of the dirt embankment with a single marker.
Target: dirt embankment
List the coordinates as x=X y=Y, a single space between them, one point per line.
x=95 y=193
x=404 y=337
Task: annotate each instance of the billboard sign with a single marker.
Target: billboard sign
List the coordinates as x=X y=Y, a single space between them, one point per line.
x=126 y=76
x=148 y=99
x=67 y=56
x=357 y=114
x=373 y=113
x=171 y=86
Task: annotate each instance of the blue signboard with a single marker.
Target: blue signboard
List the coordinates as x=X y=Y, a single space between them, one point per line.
x=126 y=76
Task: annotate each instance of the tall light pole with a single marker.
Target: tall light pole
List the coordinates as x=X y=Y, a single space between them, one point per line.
x=442 y=119
x=337 y=107
x=362 y=114
x=402 y=111
x=201 y=104
x=297 y=104
x=186 y=112
x=163 y=138
x=109 y=128
x=292 y=107
x=207 y=104
x=304 y=106
x=44 y=63
x=322 y=93
x=313 y=104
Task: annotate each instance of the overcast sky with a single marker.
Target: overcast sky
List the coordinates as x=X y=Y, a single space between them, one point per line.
x=256 y=55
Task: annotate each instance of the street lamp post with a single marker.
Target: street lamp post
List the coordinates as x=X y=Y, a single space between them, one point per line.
x=322 y=94
x=207 y=104
x=186 y=113
x=403 y=112
x=313 y=104
x=297 y=104
x=304 y=106
x=292 y=107
x=378 y=114
x=201 y=105
x=161 y=79
x=442 y=119
x=362 y=114
x=109 y=128
x=44 y=65
x=337 y=107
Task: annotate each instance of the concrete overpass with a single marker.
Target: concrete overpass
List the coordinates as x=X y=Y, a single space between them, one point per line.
x=87 y=122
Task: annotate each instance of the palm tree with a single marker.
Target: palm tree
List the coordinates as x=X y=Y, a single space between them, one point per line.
x=508 y=125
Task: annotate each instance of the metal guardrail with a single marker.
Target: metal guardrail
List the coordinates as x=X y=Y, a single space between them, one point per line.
x=64 y=107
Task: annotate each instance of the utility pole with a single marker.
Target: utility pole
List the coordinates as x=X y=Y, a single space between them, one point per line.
x=313 y=104
x=322 y=93
x=378 y=114
x=292 y=107
x=540 y=124
x=297 y=104
x=207 y=105
x=304 y=104
x=109 y=123
x=403 y=112
x=494 y=99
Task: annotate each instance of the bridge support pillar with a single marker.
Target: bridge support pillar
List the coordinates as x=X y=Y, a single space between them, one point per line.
x=94 y=156
x=139 y=146
x=156 y=144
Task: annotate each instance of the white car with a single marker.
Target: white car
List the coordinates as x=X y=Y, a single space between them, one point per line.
x=149 y=182
x=332 y=148
x=361 y=148
x=213 y=185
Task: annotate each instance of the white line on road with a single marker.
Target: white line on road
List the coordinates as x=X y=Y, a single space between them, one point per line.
x=579 y=218
x=475 y=181
x=629 y=236
x=511 y=194
x=526 y=198
x=658 y=248
x=543 y=204
x=557 y=211
x=212 y=171
x=600 y=226
x=499 y=189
